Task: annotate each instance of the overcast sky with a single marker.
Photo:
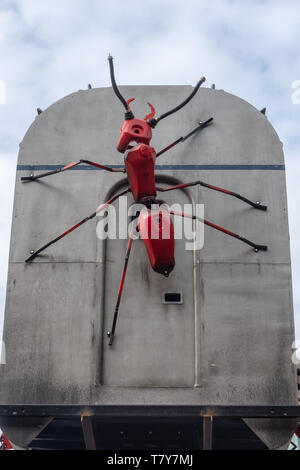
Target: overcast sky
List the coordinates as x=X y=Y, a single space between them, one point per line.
x=50 y=48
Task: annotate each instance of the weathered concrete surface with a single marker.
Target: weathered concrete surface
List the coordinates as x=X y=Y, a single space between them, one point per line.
x=24 y=430
x=230 y=341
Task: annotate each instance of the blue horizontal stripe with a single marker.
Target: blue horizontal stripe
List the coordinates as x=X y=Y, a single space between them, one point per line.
x=158 y=167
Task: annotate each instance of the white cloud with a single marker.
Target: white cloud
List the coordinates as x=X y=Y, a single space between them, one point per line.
x=2 y=92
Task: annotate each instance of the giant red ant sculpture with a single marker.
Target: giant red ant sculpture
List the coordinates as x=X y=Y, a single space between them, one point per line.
x=140 y=159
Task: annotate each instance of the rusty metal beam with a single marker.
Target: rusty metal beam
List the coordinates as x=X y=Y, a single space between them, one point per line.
x=88 y=432
x=207 y=432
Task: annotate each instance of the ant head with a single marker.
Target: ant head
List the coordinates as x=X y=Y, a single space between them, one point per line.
x=138 y=130
x=135 y=130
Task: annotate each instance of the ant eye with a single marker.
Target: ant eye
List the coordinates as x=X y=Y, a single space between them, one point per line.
x=137 y=129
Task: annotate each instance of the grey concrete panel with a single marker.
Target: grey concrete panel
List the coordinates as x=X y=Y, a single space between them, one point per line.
x=145 y=324
x=280 y=436
x=266 y=228
x=50 y=207
x=23 y=430
x=49 y=357
x=240 y=134
x=245 y=329
x=70 y=197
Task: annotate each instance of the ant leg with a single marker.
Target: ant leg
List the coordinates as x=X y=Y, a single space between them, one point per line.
x=111 y=334
x=69 y=167
x=256 y=205
x=70 y=230
x=202 y=125
x=256 y=247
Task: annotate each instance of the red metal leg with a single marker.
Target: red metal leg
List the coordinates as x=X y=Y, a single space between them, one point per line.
x=256 y=205
x=202 y=125
x=223 y=230
x=70 y=230
x=69 y=167
x=111 y=334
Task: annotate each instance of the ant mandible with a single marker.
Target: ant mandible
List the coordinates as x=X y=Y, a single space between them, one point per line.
x=140 y=162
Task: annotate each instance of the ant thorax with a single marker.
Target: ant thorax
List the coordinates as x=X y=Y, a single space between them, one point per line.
x=140 y=163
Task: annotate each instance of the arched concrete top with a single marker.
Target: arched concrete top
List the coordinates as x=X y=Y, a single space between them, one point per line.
x=85 y=125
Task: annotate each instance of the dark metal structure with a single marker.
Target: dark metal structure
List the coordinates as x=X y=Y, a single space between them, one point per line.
x=79 y=427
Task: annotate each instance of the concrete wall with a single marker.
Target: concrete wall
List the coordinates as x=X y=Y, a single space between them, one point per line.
x=230 y=341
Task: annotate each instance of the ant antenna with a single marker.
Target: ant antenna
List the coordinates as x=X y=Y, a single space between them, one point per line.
x=128 y=115
x=153 y=122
